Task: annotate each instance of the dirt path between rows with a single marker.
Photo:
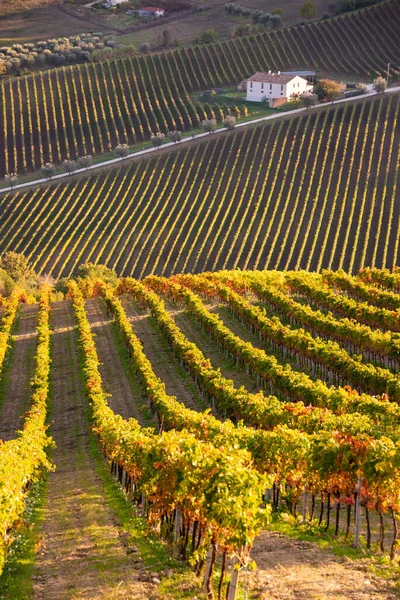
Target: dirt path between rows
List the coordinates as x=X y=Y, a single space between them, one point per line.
x=82 y=552
x=294 y=570
x=177 y=382
x=124 y=399
x=17 y=389
x=193 y=333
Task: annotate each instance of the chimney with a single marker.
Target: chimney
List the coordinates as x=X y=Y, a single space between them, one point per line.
x=278 y=72
x=269 y=72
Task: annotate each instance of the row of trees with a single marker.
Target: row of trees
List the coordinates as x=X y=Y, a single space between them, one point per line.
x=327 y=90
x=48 y=170
x=270 y=20
x=53 y=52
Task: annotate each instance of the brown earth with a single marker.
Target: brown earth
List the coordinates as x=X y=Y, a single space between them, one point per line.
x=295 y=570
x=124 y=400
x=83 y=553
x=177 y=383
x=17 y=389
x=194 y=333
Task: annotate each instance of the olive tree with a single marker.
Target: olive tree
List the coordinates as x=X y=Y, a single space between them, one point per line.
x=308 y=100
x=230 y=122
x=209 y=125
x=12 y=179
x=175 y=136
x=48 y=170
x=85 y=161
x=157 y=139
x=379 y=85
x=69 y=166
x=122 y=150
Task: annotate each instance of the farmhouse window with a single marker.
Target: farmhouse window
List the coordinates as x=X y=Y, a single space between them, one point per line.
x=270 y=86
x=281 y=88
x=251 y=85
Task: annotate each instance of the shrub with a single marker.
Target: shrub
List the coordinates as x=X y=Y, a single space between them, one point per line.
x=157 y=139
x=85 y=161
x=48 y=170
x=209 y=125
x=230 y=122
x=122 y=150
x=380 y=85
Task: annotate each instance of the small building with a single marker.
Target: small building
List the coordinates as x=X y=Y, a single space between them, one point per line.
x=266 y=86
x=151 y=11
x=114 y=3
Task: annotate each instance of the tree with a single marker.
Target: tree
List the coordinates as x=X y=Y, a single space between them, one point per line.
x=277 y=11
x=346 y=6
x=361 y=87
x=145 y=47
x=308 y=100
x=92 y=271
x=16 y=265
x=122 y=150
x=379 y=85
x=208 y=36
x=327 y=90
x=308 y=10
x=157 y=139
x=48 y=170
x=209 y=125
x=230 y=122
x=275 y=21
x=3 y=68
x=86 y=161
x=69 y=166
x=175 y=136
x=166 y=37
x=12 y=179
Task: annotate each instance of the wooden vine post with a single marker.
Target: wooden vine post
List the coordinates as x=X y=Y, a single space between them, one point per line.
x=357 y=522
x=233 y=584
x=304 y=505
x=177 y=530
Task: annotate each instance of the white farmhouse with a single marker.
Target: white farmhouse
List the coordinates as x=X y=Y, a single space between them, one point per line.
x=274 y=86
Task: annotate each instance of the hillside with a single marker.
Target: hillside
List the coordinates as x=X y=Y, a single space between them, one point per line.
x=314 y=191
x=89 y=108
x=162 y=352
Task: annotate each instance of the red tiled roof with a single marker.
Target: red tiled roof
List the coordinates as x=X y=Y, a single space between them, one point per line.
x=271 y=77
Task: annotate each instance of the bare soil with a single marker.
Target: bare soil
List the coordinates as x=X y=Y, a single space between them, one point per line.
x=82 y=553
x=40 y=20
x=163 y=364
x=124 y=400
x=194 y=333
x=17 y=389
x=291 y=569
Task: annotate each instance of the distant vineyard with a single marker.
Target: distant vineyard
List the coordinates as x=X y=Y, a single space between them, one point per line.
x=315 y=191
x=88 y=108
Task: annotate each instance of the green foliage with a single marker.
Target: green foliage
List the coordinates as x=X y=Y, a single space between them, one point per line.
x=23 y=458
x=89 y=273
x=308 y=10
x=7 y=283
x=16 y=266
x=327 y=90
x=208 y=36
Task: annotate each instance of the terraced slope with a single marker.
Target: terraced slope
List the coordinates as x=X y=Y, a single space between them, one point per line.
x=315 y=191
x=85 y=109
